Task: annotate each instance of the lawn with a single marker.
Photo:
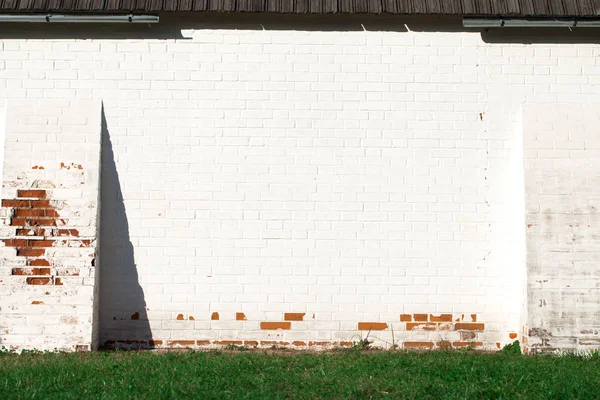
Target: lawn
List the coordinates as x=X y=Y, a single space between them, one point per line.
x=263 y=375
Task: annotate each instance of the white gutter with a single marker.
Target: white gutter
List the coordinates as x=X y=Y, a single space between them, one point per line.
x=470 y=22
x=80 y=18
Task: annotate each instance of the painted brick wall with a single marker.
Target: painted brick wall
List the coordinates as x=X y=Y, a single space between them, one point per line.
x=48 y=291
x=309 y=187
x=562 y=192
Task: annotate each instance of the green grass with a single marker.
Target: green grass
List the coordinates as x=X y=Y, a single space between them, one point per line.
x=258 y=375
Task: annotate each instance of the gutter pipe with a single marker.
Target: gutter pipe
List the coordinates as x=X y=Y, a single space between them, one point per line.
x=80 y=18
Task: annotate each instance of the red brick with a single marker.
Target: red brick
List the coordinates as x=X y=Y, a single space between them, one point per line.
x=40 y=204
x=203 y=342
x=28 y=212
x=512 y=335
x=27 y=252
x=467 y=326
x=440 y=318
x=15 y=242
x=31 y=271
x=240 y=316
x=214 y=316
x=420 y=317
x=39 y=281
x=294 y=316
x=16 y=203
x=58 y=282
x=372 y=326
x=271 y=326
x=36 y=194
x=405 y=318
x=68 y=232
x=41 y=243
x=38 y=262
x=180 y=317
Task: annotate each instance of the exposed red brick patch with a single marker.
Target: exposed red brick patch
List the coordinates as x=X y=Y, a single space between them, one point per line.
x=469 y=326
x=31 y=271
x=250 y=342
x=294 y=316
x=37 y=167
x=214 y=316
x=58 y=281
x=180 y=317
x=25 y=252
x=229 y=342
x=420 y=317
x=405 y=318
x=37 y=302
x=440 y=318
x=418 y=345
x=421 y=326
x=299 y=343
x=474 y=317
x=275 y=325
x=39 y=281
x=372 y=326
x=38 y=262
x=135 y=316
x=498 y=345
x=240 y=316
x=512 y=335
x=15 y=242
x=191 y=318
x=154 y=343
x=35 y=194
x=40 y=243
x=203 y=342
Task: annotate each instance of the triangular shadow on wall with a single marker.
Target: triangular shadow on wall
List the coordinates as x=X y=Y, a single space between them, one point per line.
x=123 y=313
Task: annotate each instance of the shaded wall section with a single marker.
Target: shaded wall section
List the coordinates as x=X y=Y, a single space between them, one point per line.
x=562 y=199
x=124 y=318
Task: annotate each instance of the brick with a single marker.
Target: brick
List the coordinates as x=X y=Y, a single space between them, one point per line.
x=372 y=326
x=468 y=326
x=294 y=316
x=27 y=252
x=39 y=281
x=240 y=316
x=36 y=194
x=31 y=271
x=275 y=325
x=440 y=318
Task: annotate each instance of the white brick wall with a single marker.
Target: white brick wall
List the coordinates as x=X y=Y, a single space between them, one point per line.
x=561 y=177
x=350 y=175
